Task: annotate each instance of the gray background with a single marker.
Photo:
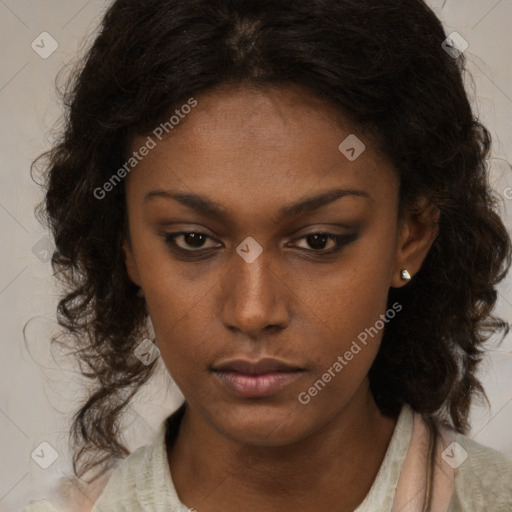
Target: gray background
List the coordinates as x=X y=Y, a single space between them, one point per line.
x=39 y=388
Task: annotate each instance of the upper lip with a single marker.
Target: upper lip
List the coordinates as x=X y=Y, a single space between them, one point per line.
x=256 y=367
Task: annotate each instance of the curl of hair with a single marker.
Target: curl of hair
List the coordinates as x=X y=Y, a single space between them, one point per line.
x=381 y=63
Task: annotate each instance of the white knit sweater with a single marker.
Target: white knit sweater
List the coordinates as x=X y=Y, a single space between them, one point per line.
x=480 y=479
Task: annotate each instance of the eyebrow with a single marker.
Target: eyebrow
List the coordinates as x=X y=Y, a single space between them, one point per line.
x=210 y=208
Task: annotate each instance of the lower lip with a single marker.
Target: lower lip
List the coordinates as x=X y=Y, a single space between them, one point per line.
x=252 y=386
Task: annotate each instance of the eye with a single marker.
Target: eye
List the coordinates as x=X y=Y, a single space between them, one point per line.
x=191 y=241
x=318 y=242
x=187 y=242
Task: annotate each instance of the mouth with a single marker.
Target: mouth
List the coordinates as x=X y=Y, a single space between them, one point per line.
x=256 y=379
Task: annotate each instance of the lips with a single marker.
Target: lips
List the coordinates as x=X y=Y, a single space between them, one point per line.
x=256 y=379
x=255 y=368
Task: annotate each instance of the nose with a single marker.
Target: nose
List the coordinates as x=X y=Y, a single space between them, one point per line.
x=255 y=296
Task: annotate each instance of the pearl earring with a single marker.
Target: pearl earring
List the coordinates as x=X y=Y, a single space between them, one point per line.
x=404 y=274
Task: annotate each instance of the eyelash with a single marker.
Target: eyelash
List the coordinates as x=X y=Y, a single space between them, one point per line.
x=340 y=242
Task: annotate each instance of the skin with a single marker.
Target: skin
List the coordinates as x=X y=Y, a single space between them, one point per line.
x=254 y=152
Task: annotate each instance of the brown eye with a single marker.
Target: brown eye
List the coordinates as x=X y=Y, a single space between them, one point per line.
x=194 y=239
x=317 y=242
x=190 y=241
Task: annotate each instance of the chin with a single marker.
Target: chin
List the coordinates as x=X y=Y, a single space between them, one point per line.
x=261 y=424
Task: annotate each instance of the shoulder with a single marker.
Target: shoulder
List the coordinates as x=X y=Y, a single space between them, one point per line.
x=40 y=506
x=144 y=476
x=131 y=469
x=124 y=483
x=131 y=479
x=137 y=479
x=483 y=477
x=70 y=495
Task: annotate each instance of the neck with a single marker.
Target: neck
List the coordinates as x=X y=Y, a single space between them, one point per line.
x=333 y=469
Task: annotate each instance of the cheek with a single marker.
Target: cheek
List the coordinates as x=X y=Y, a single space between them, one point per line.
x=182 y=322
x=175 y=306
x=176 y=293
x=350 y=308
x=185 y=321
x=352 y=327
x=353 y=295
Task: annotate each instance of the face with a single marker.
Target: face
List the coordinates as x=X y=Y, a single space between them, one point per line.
x=254 y=237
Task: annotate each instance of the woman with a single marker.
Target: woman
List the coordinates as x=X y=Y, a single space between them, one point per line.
x=294 y=199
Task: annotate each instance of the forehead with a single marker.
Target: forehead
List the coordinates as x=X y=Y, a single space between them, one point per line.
x=264 y=143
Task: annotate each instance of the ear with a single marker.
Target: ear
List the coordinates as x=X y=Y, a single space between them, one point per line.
x=418 y=229
x=131 y=265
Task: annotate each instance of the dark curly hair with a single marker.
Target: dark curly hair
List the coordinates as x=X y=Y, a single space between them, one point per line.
x=381 y=63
